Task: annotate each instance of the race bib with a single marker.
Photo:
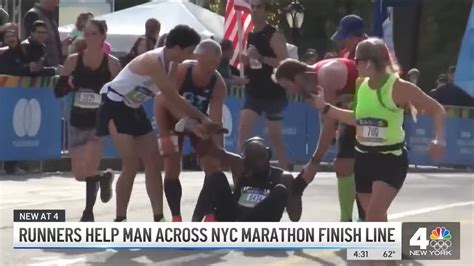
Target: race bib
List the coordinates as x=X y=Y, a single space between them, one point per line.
x=249 y=197
x=138 y=96
x=87 y=99
x=371 y=131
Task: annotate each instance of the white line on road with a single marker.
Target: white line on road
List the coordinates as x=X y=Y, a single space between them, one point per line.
x=429 y=209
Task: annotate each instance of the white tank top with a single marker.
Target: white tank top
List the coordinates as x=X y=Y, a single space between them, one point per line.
x=131 y=88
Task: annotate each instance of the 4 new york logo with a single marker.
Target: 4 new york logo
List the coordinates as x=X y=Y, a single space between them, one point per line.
x=438 y=244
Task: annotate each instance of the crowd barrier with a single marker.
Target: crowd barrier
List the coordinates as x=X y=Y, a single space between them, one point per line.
x=34 y=126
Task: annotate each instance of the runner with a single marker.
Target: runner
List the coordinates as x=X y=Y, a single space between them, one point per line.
x=266 y=49
x=84 y=74
x=122 y=115
x=261 y=192
x=338 y=78
x=381 y=161
x=202 y=86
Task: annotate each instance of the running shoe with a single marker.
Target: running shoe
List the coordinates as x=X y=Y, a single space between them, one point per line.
x=294 y=206
x=87 y=216
x=107 y=178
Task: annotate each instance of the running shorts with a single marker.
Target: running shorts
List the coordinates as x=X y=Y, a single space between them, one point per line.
x=389 y=168
x=81 y=136
x=272 y=108
x=127 y=120
x=346 y=142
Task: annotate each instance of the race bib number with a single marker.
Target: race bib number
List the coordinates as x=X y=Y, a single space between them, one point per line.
x=138 y=96
x=87 y=99
x=371 y=131
x=249 y=197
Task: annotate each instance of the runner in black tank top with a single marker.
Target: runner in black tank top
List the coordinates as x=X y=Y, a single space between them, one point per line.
x=202 y=86
x=84 y=74
x=266 y=48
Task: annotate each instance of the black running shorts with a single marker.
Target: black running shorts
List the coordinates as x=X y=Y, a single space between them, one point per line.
x=127 y=120
x=389 y=168
x=346 y=142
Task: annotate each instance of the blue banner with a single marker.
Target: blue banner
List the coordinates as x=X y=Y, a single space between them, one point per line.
x=464 y=76
x=31 y=124
x=31 y=130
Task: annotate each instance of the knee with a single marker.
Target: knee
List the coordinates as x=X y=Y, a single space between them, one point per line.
x=129 y=167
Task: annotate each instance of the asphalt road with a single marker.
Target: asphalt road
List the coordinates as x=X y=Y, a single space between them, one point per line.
x=424 y=197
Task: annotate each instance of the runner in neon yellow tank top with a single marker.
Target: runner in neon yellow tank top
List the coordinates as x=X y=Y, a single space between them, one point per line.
x=383 y=127
x=381 y=161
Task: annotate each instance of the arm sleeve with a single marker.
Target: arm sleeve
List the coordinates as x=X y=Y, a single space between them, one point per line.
x=62 y=87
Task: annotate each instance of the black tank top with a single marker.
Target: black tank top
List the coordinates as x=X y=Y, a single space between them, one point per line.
x=198 y=97
x=261 y=84
x=87 y=85
x=249 y=191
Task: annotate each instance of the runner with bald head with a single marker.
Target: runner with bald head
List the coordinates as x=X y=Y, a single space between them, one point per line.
x=338 y=78
x=202 y=86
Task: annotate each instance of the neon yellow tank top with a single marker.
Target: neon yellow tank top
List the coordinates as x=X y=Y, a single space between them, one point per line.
x=379 y=119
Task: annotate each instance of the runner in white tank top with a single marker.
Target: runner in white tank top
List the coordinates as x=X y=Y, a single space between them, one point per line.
x=134 y=89
x=122 y=115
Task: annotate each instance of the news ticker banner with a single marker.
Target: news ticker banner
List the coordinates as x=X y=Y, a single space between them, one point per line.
x=47 y=229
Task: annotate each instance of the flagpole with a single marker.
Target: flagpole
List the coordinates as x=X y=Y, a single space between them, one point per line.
x=240 y=42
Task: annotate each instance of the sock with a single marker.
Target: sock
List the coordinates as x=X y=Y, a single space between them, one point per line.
x=299 y=185
x=158 y=218
x=173 y=193
x=92 y=186
x=346 y=189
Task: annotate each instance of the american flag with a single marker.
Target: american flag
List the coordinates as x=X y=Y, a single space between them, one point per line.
x=231 y=25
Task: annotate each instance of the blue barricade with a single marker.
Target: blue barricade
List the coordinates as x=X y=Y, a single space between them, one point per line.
x=31 y=124
x=31 y=129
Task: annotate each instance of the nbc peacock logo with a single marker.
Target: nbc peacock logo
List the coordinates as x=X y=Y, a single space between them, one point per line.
x=440 y=233
x=440 y=239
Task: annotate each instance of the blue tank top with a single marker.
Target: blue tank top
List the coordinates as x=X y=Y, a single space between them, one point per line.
x=197 y=96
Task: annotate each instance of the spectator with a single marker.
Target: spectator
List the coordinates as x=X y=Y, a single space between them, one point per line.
x=152 y=31
x=77 y=35
x=145 y=42
x=162 y=40
x=413 y=75
x=448 y=93
x=311 y=57
x=45 y=11
x=13 y=60
x=4 y=26
x=229 y=72
x=138 y=48
x=349 y=33
x=106 y=46
x=34 y=50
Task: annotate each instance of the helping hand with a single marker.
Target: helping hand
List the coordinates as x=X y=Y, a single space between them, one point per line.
x=318 y=98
